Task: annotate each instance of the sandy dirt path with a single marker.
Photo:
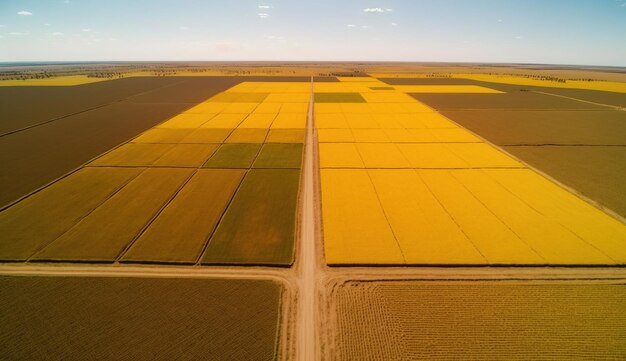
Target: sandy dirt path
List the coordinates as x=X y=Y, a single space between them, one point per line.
x=306 y=257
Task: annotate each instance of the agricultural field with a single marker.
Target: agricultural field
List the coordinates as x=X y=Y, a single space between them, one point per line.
x=421 y=320
x=139 y=318
x=230 y=164
x=373 y=214
x=574 y=135
x=88 y=120
x=403 y=184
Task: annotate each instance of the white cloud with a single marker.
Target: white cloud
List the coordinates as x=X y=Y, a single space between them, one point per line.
x=57 y=33
x=365 y=26
x=86 y=30
x=377 y=10
x=264 y=7
x=263 y=15
x=24 y=13
x=351 y=26
x=46 y=24
x=184 y=28
x=499 y=20
x=394 y=24
x=519 y=37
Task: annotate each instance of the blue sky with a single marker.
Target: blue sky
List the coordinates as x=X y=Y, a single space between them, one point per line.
x=591 y=32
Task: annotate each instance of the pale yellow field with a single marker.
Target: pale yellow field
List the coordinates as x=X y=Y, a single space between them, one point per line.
x=611 y=86
x=402 y=184
x=55 y=81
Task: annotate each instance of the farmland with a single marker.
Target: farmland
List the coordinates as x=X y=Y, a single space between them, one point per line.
x=372 y=215
x=451 y=320
x=135 y=318
x=254 y=202
x=425 y=189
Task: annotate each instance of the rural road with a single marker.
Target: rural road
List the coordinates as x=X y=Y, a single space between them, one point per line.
x=306 y=258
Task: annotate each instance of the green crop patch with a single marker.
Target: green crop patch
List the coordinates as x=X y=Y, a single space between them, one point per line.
x=339 y=98
x=39 y=219
x=108 y=230
x=234 y=156
x=382 y=88
x=279 y=156
x=231 y=97
x=180 y=232
x=259 y=226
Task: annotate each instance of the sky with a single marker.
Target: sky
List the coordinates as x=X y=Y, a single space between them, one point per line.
x=578 y=32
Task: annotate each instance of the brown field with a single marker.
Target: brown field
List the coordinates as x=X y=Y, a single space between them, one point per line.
x=138 y=318
x=413 y=320
x=259 y=225
x=556 y=127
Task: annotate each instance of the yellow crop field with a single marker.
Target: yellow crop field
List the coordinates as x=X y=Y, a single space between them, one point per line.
x=446 y=197
x=299 y=98
x=449 y=89
x=162 y=135
x=225 y=120
x=370 y=135
x=187 y=120
x=55 y=81
x=268 y=108
x=330 y=120
x=258 y=120
x=247 y=135
x=207 y=108
x=424 y=230
x=238 y=97
x=589 y=223
x=133 y=155
x=239 y=108
x=381 y=155
x=355 y=228
x=207 y=135
x=186 y=155
x=610 y=86
x=289 y=120
x=339 y=155
x=335 y=136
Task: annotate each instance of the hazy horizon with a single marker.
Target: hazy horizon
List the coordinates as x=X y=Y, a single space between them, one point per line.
x=578 y=32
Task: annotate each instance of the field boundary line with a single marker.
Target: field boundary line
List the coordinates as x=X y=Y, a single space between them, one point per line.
x=614 y=107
